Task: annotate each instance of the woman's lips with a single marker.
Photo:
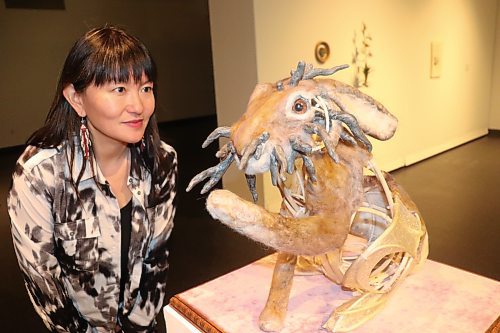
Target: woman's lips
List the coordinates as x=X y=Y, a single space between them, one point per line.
x=134 y=123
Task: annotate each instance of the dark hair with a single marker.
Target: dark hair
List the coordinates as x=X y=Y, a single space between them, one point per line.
x=102 y=55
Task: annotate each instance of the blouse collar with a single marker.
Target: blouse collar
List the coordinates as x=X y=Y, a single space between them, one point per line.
x=91 y=166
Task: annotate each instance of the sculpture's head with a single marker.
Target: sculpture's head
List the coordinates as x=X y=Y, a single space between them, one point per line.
x=294 y=116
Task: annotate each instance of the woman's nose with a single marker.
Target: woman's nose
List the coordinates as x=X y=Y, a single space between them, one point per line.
x=136 y=104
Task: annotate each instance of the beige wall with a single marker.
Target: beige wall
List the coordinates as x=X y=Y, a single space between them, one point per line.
x=435 y=114
x=234 y=61
x=495 y=83
x=34 y=43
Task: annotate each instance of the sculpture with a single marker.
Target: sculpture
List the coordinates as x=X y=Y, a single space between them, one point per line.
x=362 y=231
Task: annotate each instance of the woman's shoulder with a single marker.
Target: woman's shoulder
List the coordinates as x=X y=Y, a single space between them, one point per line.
x=167 y=149
x=169 y=154
x=33 y=157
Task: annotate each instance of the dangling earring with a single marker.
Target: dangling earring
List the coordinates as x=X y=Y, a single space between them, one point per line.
x=85 y=139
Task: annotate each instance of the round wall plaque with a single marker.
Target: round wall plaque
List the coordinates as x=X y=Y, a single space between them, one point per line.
x=322 y=52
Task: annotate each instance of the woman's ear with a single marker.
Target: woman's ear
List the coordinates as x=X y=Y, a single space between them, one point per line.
x=74 y=98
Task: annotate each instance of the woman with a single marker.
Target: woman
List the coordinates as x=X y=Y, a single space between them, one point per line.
x=91 y=203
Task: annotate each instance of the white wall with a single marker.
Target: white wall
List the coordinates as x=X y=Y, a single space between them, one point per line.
x=495 y=84
x=34 y=44
x=434 y=114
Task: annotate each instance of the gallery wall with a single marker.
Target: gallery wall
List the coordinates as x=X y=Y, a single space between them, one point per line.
x=495 y=86
x=234 y=62
x=435 y=114
x=34 y=43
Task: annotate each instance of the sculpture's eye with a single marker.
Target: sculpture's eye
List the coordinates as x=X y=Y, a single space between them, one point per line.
x=299 y=106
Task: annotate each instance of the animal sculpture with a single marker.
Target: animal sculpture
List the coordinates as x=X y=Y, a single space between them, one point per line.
x=340 y=214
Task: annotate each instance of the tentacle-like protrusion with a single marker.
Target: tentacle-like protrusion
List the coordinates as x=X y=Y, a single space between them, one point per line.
x=215 y=173
x=217 y=133
x=291 y=161
x=303 y=149
x=250 y=150
x=273 y=169
x=323 y=71
x=251 y=182
x=300 y=146
x=347 y=137
x=279 y=154
x=351 y=122
x=353 y=125
x=319 y=119
x=225 y=150
x=279 y=85
x=321 y=132
x=234 y=152
x=311 y=170
x=297 y=74
x=258 y=151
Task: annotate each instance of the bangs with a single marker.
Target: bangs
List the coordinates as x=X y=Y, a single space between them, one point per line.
x=121 y=67
x=117 y=58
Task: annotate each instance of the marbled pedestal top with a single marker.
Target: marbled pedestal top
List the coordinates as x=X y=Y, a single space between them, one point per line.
x=438 y=298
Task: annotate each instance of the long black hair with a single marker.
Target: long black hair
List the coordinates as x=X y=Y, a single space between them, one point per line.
x=102 y=55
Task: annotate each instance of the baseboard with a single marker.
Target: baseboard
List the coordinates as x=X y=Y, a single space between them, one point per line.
x=435 y=150
x=494 y=132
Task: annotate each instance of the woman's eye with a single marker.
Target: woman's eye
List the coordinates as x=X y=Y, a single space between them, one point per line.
x=147 y=89
x=119 y=89
x=299 y=106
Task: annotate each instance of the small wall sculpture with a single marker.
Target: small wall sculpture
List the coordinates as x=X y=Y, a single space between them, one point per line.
x=361 y=56
x=360 y=230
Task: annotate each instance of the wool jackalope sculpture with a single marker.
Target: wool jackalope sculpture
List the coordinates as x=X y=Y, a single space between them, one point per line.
x=340 y=214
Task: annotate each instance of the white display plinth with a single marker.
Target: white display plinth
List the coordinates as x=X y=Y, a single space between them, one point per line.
x=438 y=298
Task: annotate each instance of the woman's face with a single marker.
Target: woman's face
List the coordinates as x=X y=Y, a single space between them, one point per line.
x=118 y=112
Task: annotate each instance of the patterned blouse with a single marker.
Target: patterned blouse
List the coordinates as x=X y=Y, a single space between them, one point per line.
x=69 y=249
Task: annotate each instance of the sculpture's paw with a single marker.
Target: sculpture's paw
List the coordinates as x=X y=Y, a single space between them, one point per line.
x=233 y=211
x=271 y=321
x=219 y=204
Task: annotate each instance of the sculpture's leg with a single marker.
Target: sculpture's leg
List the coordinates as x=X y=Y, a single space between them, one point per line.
x=272 y=317
x=283 y=233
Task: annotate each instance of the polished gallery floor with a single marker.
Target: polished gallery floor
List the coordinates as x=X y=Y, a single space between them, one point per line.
x=458 y=193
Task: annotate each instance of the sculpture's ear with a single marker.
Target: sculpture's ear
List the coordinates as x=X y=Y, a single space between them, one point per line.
x=373 y=118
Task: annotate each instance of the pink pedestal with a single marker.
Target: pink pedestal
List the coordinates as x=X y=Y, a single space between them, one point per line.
x=438 y=298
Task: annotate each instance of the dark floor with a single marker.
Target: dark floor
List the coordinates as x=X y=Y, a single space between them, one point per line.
x=458 y=193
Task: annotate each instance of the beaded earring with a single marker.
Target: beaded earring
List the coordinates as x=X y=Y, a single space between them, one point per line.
x=85 y=138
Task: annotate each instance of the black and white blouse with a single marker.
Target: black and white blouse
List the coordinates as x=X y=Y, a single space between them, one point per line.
x=69 y=248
